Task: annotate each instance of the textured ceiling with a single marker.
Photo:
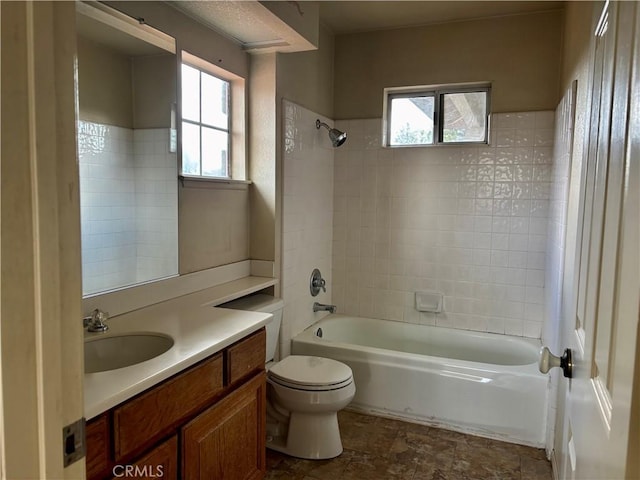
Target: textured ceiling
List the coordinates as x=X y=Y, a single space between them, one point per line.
x=241 y=19
x=360 y=16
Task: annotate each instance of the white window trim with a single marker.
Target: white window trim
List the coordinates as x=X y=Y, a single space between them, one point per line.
x=437 y=91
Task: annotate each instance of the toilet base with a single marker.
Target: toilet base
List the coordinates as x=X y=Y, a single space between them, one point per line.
x=311 y=436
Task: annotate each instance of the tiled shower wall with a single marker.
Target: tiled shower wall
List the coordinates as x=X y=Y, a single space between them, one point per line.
x=307 y=218
x=128 y=188
x=470 y=222
x=156 y=190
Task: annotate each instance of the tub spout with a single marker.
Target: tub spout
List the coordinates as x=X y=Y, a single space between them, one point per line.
x=321 y=307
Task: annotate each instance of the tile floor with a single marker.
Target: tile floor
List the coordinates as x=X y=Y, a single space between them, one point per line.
x=383 y=449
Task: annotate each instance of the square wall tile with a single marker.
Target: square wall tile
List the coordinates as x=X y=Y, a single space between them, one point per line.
x=469 y=221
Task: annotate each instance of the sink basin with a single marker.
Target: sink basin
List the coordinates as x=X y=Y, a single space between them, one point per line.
x=119 y=351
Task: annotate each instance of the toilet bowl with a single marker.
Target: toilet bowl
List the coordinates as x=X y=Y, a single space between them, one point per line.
x=304 y=393
x=312 y=390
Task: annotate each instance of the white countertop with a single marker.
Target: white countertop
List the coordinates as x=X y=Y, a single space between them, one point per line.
x=198 y=331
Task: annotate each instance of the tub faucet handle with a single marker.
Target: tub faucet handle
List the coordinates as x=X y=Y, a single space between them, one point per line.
x=317 y=283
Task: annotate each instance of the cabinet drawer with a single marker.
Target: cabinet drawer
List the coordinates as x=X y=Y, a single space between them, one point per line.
x=246 y=356
x=98 y=447
x=143 y=420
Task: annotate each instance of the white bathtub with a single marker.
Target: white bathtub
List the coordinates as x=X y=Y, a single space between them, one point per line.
x=473 y=382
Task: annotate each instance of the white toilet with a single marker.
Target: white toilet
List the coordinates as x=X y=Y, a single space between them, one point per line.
x=304 y=393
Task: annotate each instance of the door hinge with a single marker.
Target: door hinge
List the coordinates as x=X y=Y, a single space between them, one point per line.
x=74 y=442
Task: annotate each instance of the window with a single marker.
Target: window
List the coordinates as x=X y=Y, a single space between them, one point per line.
x=205 y=124
x=436 y=115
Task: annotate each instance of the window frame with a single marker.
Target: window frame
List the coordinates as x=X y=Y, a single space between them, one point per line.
x=200 y=124
x=237 y=118
x=438 y=93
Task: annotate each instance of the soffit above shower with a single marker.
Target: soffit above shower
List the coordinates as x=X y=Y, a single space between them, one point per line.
x=260 y=27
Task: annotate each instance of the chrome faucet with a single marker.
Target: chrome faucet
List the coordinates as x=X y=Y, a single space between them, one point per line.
x=95 y=321
x=321 y=307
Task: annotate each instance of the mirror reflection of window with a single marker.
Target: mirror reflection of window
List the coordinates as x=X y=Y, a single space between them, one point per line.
x=128 y=173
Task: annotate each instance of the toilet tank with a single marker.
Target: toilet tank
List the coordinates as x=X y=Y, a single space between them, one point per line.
x=266 y=304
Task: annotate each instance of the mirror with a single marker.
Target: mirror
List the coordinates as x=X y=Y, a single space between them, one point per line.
x=127 y=150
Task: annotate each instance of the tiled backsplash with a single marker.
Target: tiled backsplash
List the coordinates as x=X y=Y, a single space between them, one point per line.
x=307 y=217
x=468 y=221
x=128 y=192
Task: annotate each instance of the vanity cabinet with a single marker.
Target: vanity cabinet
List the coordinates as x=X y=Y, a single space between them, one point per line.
x=207 y=422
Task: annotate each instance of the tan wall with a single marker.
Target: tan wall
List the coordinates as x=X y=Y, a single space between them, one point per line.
x=576 y=40
x=154 y=90
x=306 y=78
x=129 y=92
x=520 y=55
x=262 y=151
x=213 y=227
x=104 y=78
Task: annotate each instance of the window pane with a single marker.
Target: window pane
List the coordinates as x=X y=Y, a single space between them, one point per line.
x=411 y=121
x=215 y=101
x=465 y=117
x=190 y=93
x=214 y=152
x=190 y=149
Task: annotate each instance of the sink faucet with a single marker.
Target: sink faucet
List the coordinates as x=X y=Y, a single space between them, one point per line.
x=95 y=321
x=321 y=307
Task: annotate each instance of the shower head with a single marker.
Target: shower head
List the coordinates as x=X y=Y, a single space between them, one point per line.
x=337 y=137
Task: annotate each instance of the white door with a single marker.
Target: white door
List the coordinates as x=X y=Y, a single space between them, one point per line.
x=599 y=430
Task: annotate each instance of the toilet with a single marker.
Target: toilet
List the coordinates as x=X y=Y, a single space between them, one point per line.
x=304 y=393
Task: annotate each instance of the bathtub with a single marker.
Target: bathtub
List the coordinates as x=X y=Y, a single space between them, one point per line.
x=478 y=383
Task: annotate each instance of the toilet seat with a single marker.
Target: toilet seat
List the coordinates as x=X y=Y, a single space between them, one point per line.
x=302 y=372
x=309 y=388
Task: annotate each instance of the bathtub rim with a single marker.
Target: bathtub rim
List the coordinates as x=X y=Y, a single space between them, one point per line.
x=308 y=336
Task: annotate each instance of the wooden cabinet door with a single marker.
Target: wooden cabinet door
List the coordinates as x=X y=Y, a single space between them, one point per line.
x=161 y=462
x=98 y=447
x=227 y=441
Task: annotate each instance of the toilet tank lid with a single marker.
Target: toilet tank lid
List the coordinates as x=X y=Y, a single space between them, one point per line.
x=256 y=303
